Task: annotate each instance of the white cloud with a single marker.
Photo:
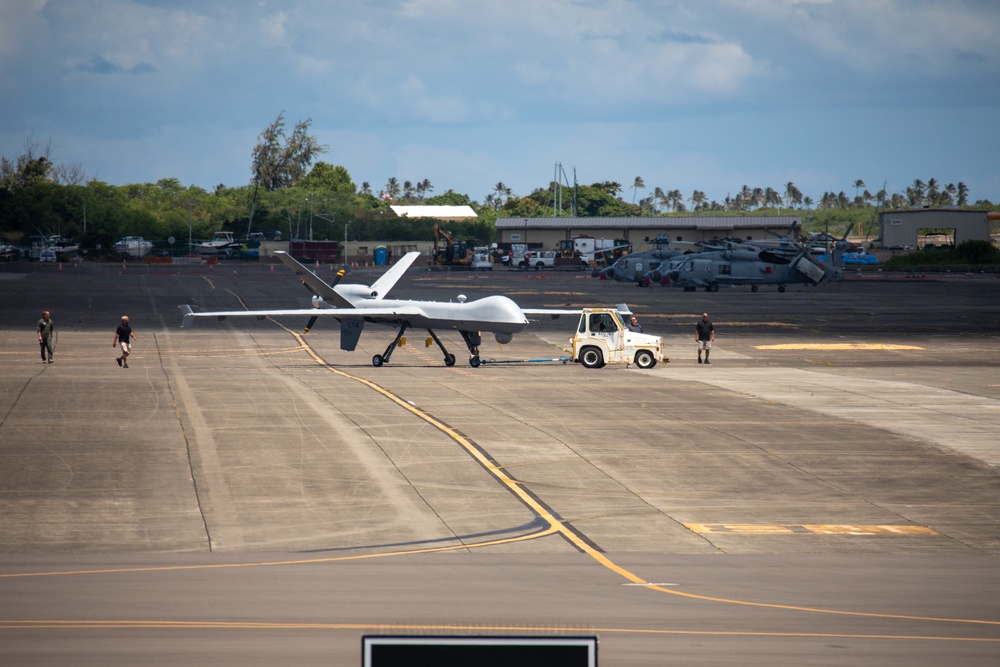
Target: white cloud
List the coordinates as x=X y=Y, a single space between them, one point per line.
x=500 y=89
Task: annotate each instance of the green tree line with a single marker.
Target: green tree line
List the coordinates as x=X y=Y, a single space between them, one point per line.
x=292 y=192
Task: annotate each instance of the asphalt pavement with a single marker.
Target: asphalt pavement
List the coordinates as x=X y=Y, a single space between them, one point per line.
x=826 y=491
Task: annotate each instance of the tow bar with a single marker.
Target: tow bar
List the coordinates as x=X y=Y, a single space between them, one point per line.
x=526 y=361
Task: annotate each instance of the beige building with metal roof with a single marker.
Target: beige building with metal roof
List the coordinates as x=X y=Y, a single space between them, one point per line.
x=548 y=232
x=904 y=228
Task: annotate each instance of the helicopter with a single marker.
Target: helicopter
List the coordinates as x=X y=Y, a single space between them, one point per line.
x=780 y=263
x=635 y=266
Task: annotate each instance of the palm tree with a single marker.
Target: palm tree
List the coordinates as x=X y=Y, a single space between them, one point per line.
x=366 y=188
x=697 y=200
x=858 y=184
x=792 y=195
x=948 y=196
x=648 y=205
x=744 y=198
x=502 y=191
x=771 y=197
x=933 y=192
x=636 y=186
x=659 y=198
x=915 y=193
x=423 y=187
x=392 y=188
x=676 y=200
x=963 y=194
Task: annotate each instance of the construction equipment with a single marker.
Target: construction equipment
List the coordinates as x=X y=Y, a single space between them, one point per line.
x=448 y=251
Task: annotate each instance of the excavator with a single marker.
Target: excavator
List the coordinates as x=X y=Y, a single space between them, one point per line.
x=449 y=252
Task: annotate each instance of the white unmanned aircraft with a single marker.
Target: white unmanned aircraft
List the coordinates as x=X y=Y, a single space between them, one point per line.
x=353 y=305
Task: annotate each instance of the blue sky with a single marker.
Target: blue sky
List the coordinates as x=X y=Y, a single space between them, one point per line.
x=706 y=94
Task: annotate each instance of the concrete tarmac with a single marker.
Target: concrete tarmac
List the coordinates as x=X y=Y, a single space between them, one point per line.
x=827 y=491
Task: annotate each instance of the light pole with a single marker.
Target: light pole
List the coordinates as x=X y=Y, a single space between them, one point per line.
x=310 y=218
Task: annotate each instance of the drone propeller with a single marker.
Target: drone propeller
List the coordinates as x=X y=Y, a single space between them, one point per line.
x=317 y=299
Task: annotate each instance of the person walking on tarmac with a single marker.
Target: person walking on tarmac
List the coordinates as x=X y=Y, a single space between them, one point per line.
x=124 y=337
x=45 y=333
x=704 y=334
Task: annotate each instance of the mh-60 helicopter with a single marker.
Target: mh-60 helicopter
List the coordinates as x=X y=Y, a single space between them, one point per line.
x=781 y=263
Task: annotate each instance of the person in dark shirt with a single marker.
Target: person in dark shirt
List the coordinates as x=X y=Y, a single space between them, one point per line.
x=45 y=329
x=704 y=335
x=124 y=337
x=633 y=325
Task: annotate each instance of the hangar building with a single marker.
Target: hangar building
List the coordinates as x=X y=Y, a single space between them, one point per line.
x=548 y=232
x=904 y=228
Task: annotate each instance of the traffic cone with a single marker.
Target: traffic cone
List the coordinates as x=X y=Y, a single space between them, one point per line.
x=272 y=268
x=60 y=266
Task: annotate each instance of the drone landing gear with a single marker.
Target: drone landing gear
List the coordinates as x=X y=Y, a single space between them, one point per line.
x=472 y=341
x=381 y=359
x=449 y=358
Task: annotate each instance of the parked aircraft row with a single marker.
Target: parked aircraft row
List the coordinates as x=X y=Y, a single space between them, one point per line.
x=732 y=262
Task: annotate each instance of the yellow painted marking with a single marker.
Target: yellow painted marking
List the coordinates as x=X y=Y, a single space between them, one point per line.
x=806 y=529
x=837 y=346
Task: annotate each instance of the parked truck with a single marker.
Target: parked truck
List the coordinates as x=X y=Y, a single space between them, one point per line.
x=538 y=260
x=602 y=338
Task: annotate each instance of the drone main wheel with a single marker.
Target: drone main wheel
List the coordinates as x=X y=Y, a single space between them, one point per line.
x=449 y=359
x=591 y=357
x=645 y=359
x=474 y=362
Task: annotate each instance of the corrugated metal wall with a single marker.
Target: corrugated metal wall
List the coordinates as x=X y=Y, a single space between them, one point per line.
x=903 y=228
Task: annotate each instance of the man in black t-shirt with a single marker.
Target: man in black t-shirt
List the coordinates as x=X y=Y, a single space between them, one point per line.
x=704 y=334
x=123 y=337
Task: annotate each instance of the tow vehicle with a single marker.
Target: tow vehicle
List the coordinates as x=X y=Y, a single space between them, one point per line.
x=602 y=338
